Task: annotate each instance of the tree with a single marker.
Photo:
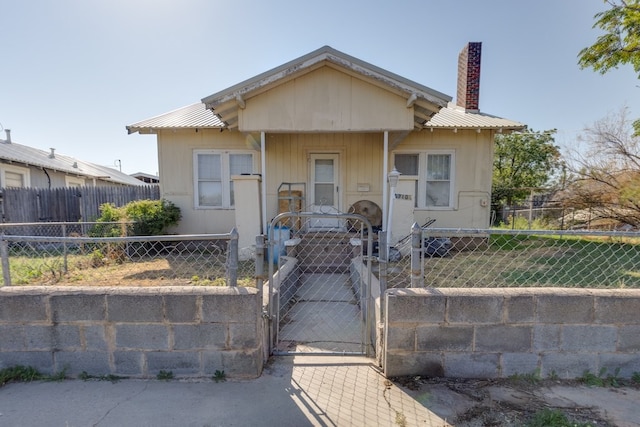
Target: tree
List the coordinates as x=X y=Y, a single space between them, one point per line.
x=620 y=43
x=522 y=161
x=607 y=172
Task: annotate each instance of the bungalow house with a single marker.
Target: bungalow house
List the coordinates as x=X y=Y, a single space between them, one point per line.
x=325 y=130
x=27 y=167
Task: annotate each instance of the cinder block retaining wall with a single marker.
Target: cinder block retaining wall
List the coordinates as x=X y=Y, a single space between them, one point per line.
x=136 y=332
x=492 y=333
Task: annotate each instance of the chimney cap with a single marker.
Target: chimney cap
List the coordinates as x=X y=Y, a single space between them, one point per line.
x=8 y=132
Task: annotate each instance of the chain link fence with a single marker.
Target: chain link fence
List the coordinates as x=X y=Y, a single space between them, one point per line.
x=515 y=258
x=77 y=253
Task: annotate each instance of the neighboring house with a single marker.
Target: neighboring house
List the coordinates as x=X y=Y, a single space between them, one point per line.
x=28 y=167
x=334 y=126
x=147 y=178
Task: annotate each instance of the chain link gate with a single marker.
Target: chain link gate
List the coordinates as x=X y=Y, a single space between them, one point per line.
x=317 y=306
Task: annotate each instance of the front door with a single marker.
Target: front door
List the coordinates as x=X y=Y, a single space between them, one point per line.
x=325 y=189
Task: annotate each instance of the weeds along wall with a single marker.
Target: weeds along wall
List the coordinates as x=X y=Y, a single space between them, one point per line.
x=132 y=332
x=500 y=332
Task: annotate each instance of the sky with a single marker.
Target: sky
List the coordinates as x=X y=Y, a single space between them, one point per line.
x=75 y=73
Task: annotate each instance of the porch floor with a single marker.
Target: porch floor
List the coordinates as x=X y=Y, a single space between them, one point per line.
x=325 y=317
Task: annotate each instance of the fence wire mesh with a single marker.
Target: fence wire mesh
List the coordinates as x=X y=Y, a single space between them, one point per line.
x=517 y=258
x=321 y=308
x=48 y=256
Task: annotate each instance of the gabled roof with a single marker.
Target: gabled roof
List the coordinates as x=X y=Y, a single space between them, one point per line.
x=11 y=152
x=432 y=109
x=225 y=104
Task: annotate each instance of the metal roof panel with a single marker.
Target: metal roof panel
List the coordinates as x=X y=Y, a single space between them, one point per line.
x=191 y=116
x=30 y=156
x=455 y=117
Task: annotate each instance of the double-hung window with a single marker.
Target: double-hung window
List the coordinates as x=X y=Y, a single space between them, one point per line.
x=433 y=172
x=213 y=170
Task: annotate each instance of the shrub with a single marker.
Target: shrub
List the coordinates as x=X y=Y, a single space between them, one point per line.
x=109 y=215
x=151 y=217
x=147 y=218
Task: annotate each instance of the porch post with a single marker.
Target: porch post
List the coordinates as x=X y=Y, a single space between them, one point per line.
x=263 y=167
x=385 y=170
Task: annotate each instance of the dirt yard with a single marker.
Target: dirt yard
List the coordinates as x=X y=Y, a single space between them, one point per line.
x=526 y=402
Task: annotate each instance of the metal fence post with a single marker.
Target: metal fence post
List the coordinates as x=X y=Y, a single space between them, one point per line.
x=65 y=249
x=4 y=253
x=417 y=279
x=232 y=267
x=260 y=245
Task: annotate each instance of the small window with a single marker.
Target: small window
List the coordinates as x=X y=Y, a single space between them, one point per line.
x=212 y=175
x=71 y=181
x=14 y=176
x=438 y=181
x=433 y=172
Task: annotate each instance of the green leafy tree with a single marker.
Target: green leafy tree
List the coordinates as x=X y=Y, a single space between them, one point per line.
x=522 y=161
x=620 y=43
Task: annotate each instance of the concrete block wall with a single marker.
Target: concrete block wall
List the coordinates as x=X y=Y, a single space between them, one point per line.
x=494 y=333
x=135 y=332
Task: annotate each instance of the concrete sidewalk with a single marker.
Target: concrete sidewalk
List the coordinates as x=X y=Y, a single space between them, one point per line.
x=293 y=391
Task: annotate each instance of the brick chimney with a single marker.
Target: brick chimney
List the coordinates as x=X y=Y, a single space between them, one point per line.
x=468 y=95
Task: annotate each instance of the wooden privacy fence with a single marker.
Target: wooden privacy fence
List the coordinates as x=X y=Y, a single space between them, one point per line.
x=69 y=204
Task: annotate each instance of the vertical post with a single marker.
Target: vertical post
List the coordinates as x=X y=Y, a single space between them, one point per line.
x=260 y=245
x=263 y=170
x=4 y=253
x=64 y=248
x=394 y=176
x=417 y=279
x=385 y=171
x=530 y=208
x=383 y=257
x=232 y=259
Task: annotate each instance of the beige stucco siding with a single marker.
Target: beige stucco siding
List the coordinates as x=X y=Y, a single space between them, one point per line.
x=360 y=163
x=175 y=153
x=473 y=153
x=325 y=100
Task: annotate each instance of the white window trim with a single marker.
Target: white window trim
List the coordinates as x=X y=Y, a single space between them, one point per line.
x=25 y=172
x=226 y=177
x=452 y=181
x=72 y=181
x=421 y=197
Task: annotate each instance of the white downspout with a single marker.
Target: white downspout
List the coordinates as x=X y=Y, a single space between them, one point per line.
x=263 y=166
x=385 y=171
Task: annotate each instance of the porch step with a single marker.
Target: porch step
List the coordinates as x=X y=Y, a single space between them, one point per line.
x=324 y=252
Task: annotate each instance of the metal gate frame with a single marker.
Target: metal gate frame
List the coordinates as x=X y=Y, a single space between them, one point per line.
x=367 y=307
